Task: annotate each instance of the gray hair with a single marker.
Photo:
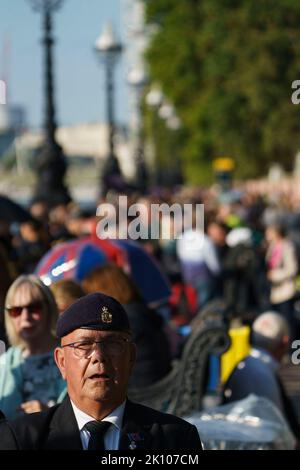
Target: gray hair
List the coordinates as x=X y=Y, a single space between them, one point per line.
x=268 y=331
x=35 y=285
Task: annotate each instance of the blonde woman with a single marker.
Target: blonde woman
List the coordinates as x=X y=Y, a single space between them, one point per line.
x=29 y=378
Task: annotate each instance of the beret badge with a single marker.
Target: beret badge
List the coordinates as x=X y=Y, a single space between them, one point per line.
x=106 y=316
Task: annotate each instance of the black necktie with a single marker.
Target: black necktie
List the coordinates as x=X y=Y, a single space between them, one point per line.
x=97 y=429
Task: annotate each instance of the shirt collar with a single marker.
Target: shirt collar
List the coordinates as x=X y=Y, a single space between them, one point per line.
x=115 y=417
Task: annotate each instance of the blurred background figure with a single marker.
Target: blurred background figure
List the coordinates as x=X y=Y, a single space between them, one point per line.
x=153 y=349
x=199 y=262
x=240 y=273
x=29 y=378
x=78 y=222
x=282 y=269
x=258 y=373
x=217 y=230
x=30 y=243
x=65 y=292
x=58 y=216
x=39 y=210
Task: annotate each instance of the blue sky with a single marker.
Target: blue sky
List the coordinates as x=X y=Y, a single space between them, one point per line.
x=79 y=77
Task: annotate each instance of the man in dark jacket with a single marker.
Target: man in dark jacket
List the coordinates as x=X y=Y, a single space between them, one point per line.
x=96 y=358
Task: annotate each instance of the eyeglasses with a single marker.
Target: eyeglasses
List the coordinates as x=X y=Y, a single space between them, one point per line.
x=112 y=347
x=34 y=307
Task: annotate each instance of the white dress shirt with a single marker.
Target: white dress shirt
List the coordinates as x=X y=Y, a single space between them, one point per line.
x=111 y=437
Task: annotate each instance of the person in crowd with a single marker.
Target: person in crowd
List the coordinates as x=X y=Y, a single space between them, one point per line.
x=240 y=274
x=96 y=357
x=199 y=262
x=78 y=222
x=282 y=269
x=58 y=216
x=39 y=210
x=258 y=372
x=29 y=378
x=65 y=292
x=30 y=244
x=217 y=230
x=153 y=357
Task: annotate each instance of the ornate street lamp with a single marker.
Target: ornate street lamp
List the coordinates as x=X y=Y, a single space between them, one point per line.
x=51 y=165
x=166 y=112
x=154 y=99
x=109 y=50
x=137 y=79
x=174 y=124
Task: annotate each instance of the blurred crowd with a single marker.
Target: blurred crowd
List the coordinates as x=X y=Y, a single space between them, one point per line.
x=246 y=255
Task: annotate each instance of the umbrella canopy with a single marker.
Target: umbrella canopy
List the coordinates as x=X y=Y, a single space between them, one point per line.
x=76 y=258
x=11 y=212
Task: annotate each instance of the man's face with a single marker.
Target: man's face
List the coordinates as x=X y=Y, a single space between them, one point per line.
x=98 y=378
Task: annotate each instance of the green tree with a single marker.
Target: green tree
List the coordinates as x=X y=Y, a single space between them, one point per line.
x=228 y=66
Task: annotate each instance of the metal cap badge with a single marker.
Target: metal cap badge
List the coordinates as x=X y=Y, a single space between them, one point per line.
x=106 y=316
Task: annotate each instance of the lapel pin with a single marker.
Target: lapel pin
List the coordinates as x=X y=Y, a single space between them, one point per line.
x=132 y=445
x=134 y=438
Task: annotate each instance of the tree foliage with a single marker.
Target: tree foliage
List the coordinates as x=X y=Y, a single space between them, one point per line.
x=228 y=66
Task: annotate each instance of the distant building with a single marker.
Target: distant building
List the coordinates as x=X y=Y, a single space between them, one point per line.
x=82 y=141
x=12 y=122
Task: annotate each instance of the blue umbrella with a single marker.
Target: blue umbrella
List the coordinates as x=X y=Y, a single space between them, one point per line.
x=75 y=259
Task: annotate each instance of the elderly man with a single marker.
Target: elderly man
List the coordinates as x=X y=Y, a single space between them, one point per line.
x=95 y=358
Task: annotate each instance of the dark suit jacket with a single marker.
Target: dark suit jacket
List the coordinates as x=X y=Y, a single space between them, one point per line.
x=56 y=429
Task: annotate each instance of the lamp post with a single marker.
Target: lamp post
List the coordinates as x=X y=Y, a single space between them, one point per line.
x=51 y=165
x=137 y=79
x=173 y=124
x=154 y=99
x=109 y=50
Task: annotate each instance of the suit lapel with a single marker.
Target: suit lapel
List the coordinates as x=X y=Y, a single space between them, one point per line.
x=134 y=435
x=64 y=432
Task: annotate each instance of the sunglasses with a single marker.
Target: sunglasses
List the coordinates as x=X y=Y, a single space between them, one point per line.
x=34 y=307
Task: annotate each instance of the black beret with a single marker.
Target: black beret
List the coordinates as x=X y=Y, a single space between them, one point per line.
x=95 y=312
